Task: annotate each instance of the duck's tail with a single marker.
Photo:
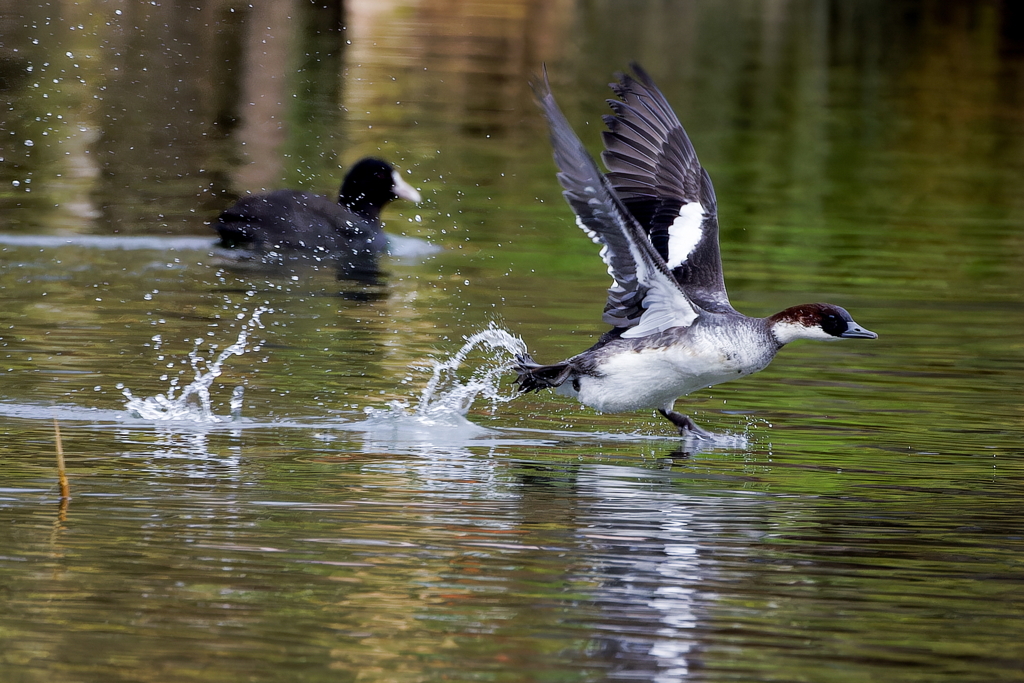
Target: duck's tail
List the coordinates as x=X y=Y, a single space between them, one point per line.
x=533 y=376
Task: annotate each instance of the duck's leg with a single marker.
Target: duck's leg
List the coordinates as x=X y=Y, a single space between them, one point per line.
x=685 y=424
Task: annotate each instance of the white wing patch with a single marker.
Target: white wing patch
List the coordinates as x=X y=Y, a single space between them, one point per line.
x=605 y=252
x=684 y=234
x=666 y=306
x=594 y=237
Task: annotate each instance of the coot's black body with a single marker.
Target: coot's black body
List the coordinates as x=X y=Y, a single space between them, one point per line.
x=302 y=222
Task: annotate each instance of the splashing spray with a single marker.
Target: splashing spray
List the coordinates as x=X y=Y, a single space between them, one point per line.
x=447 y=397
x=193 y=404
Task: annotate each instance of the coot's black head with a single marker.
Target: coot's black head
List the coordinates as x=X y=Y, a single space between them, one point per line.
x=372 y=183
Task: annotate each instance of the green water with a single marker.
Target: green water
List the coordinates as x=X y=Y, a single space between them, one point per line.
x=860 y=522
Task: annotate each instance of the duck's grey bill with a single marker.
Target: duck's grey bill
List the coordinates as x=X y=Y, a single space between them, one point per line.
x=855 y=331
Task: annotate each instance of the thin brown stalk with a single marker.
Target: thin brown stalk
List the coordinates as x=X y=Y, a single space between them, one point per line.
x=65 y=490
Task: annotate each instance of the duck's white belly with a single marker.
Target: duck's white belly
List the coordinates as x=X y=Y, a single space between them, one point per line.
x=653 y=378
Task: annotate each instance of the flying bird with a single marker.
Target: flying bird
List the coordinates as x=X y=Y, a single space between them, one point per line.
x=655 y=216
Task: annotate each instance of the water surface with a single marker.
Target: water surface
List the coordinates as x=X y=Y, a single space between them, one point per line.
x=857 y=519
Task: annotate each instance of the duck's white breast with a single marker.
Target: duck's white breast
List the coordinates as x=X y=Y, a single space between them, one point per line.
x=652 y=377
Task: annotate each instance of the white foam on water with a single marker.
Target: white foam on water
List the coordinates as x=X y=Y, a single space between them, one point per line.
x=403 y=247
x=110 y=242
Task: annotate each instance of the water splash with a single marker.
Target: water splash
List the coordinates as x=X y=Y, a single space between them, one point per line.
x=448 y=396
x=193 y=404
x=446 y=393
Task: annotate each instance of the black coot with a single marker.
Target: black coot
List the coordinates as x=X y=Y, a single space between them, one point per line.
x=293 y=221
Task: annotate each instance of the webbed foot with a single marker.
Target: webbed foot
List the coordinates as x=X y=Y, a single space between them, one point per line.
x=685 y=424
x=532 y=376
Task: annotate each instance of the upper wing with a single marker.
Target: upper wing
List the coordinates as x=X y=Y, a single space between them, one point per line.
x=655 y=172
x=644 y=296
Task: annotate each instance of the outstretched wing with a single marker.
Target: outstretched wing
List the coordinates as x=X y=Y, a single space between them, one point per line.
x=644 y=296
x=655 y=172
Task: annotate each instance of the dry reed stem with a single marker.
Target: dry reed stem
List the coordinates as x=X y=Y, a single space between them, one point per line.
x=65 y=490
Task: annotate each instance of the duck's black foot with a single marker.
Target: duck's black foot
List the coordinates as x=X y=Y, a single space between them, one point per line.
x=685 y=424
x=533 y=376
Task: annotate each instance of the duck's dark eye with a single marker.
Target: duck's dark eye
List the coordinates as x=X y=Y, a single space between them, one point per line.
x=833 y=324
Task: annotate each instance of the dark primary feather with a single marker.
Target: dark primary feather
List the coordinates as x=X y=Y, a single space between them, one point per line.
x=654 y=170
x=625 y=296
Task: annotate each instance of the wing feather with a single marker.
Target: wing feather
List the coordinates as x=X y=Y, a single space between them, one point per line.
x=654 y=170
x=644 y=296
